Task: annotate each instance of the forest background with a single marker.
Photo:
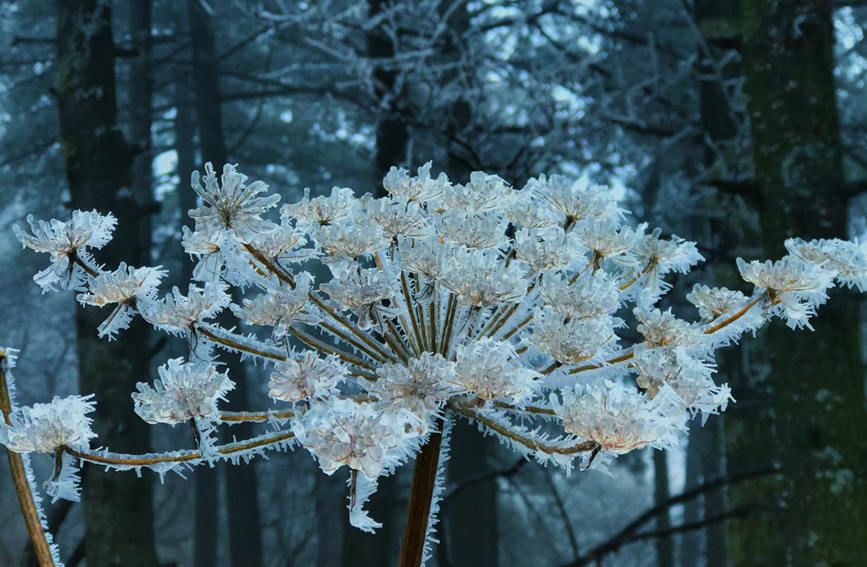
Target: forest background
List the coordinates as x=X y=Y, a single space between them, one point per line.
x=732 y=123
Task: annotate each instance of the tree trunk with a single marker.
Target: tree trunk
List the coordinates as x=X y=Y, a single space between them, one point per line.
x=813 y=420
x=331 y=524
x=715 y=501
x=661 y=493
x=141 y=95
x=245 y=544
x=690 y=543
x=718 y=22
x=392 y=134
x=118 y=507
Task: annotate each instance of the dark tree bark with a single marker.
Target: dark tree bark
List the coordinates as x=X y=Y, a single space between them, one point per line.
x=140 y=116
x=808 y=414
x=718 y=22
x=392 y=134
x=661 y=493
x=245 y=544
x=690 y=543
x=117 y=506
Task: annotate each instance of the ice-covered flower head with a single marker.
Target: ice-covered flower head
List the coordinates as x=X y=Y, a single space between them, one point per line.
x=68 y=243
x=230 y=204
x=47 y=427
x=184 y=390
x=794 y=288
x=126 y=288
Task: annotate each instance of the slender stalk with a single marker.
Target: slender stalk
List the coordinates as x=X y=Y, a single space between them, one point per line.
x=620 y=358
x=73 y=256
x=352 y=342
x=410 y=307
x=433 y=310
x=226 y=339
x=322 y=346
x=420 y=498
x=19 y=477
x=242 y=416
x=393 y=338
x=517 y=327
x=180 y=457
x=734 y=317
x=451 y=307
x=532 y=444
x=527 y=409
x=276 y=270
x=380 y=355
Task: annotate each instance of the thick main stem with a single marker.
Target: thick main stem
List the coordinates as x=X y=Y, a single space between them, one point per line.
x=420 y=498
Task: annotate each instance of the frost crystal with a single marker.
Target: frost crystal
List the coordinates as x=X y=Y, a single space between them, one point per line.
x=713 y=302
x=47 y=427
x=183 y=391
x=847 y=260
x=279 y=308
x=422 y=187
x=420 y=387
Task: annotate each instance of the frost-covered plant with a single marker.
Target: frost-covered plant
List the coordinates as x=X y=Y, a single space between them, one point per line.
x=503 y=307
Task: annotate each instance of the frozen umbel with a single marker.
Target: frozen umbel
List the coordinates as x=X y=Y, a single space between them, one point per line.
x=503 y=307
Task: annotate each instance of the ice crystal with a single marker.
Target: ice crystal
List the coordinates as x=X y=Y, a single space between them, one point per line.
x=616 y=418
x=713 y=302
x=280 y=307
x=490 y=369
x=419 y=387
x=359 y=435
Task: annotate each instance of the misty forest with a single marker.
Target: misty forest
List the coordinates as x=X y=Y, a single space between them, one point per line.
x=457 y=283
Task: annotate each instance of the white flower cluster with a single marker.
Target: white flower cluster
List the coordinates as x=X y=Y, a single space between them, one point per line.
x=478 y=301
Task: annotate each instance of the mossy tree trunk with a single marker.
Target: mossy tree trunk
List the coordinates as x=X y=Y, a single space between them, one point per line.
x=808 y=412
x=117 y=506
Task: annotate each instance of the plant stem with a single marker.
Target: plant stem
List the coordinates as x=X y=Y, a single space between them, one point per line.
x=420 y=497
x=22 y=487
